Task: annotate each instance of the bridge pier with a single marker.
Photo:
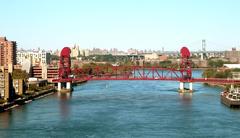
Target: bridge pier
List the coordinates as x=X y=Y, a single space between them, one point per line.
x=182 y=87
x=190 y=86
x=67 y=87
x=59 y=86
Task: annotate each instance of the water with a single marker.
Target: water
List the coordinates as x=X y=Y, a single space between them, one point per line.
x=125 y=109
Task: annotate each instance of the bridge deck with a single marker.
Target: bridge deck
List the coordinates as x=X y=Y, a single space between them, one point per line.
x=200 y=80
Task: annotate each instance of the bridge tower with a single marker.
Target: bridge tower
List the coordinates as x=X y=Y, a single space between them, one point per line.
x=203 y=51
x=64 y=69
x=186 y=70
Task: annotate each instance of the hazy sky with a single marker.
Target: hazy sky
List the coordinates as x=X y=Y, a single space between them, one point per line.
x=122 y=24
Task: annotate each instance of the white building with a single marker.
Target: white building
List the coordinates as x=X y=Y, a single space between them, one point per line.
x=232 y=66
x=36 y=57
x=75 y=51
x=235 y=75
x=151 y=56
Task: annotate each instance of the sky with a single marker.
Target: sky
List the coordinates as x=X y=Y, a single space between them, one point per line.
x=122 y=24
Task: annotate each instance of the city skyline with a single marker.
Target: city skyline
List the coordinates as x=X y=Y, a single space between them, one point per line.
x=122 y=24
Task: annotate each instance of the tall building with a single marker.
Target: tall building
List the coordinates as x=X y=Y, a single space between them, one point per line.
x=5 y=85
x=75 y=51
x=7 y=52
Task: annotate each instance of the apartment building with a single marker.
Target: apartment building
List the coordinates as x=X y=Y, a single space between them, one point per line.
x=45 y=72
x=7 y=52
x=36 y=57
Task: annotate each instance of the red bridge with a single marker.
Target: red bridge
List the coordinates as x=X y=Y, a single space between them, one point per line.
x=181 y=73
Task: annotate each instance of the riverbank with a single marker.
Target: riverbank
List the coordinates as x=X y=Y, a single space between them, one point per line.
x=216 y=85
x=79 y=82
x=26 y=99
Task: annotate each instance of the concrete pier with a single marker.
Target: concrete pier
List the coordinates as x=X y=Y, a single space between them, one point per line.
x=67 y=87
x=182 y=87
x=59 y=86
x=190 y=86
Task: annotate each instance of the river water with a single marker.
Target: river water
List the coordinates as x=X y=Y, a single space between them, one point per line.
x=125 y=109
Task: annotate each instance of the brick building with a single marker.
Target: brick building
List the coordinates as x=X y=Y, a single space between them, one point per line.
x=7 y=52
x=233 y=56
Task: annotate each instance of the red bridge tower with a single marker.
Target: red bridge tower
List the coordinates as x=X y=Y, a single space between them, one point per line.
x=186 y=70
x=64 y=70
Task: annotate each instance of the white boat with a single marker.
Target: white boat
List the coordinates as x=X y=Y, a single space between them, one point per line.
x=231 y=98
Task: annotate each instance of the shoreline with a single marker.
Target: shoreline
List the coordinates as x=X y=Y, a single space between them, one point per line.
x=215 y=85
x=27 y=99
x=31 y=97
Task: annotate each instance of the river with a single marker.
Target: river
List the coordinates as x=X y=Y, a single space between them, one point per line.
x=125 y=109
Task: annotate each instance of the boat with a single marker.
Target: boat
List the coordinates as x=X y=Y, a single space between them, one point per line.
x=231 y=98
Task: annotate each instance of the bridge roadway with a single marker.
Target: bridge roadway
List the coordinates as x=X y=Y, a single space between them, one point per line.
x=200 y=80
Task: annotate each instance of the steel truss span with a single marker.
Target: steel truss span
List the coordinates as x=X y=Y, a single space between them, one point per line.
x=128 y=73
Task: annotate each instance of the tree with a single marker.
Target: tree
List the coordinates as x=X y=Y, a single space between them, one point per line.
x=217 y=63
x=236 y=70
x=54 y=57
x=19 y=74
x=165 y=64
x=213 y=73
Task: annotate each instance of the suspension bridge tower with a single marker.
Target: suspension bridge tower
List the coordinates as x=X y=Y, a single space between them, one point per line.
x=203 y=51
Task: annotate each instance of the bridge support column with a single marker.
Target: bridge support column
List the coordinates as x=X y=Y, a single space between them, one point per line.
x=190 y=87
x=181 y=87
x=59 y=86
x=68 y=86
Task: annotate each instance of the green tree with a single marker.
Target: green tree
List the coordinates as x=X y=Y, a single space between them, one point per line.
x=54 y=57
x=214 y=73
x=165 y=64
x=236 y=70
x=217 y=63
x=19 y=74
